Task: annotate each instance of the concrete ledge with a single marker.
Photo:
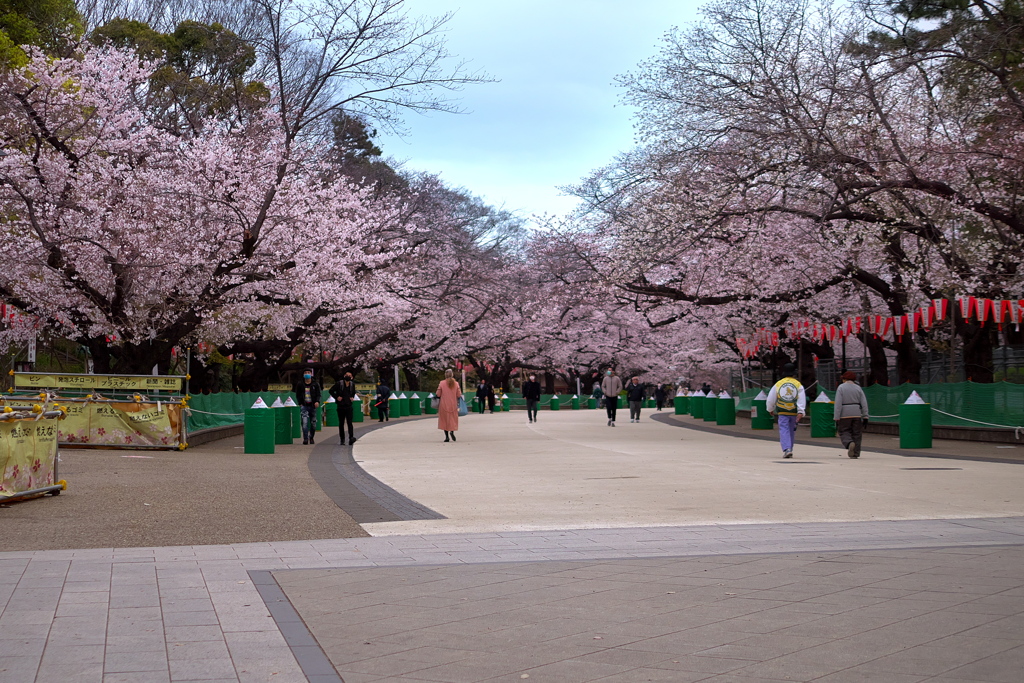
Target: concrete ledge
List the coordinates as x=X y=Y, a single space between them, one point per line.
x=202 y=436
x=986 y=434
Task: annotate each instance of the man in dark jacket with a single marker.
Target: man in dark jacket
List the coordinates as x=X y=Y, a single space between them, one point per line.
x=343 y=393
x=531 y=392
x=660 y=395
x=307 y=395
x=485 y=394
x=383 y=396
x=635 y=396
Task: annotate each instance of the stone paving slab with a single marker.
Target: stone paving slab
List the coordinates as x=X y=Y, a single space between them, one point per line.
x=175 y=613
x=886 y=615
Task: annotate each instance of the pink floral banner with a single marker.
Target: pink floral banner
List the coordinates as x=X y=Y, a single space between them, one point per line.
x=28 y=449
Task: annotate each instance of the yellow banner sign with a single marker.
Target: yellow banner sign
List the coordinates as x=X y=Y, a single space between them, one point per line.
x=117 y=425
x=39 y=380
x=28 y=449
x=280 y=388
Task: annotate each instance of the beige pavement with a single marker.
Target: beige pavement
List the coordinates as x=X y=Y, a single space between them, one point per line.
x=571 y=471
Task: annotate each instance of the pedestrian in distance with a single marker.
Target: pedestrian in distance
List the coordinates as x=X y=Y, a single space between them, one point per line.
x=381 y=401
x=597 y=394
x=531 y=392
x=851 y=413
x=635 y=396
x=787 y=400
x=448 y=394
x=307 y=395
x=611 y=386
x=659 y=396
x=343 y=393
x=485 y=394
x=706 y=388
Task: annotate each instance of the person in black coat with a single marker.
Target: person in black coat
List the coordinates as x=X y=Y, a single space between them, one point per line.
x=343 y=393
x=531 y=392
x=635 y=396
x=383 y=396
x=307 y=395
x=660 y=395
x=485 y=394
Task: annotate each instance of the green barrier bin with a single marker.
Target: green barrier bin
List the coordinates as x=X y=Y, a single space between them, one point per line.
x=556 y=403
x=296 y=421
x=915 y=425
x=592 y=403
x=318 y=420
x=680 y=405
x=357 y=410
x=282 y=425
x=575 y=402
x=374 y=412
x=394 y=407
x=415 y=405
x=711 y=408
x=650 y=403
x=725 y=413
x=403 y=405
x=697 y=407
x=331 y=418
x=506 y=405
x=823 y=424
x=760 y=418
x=428 y=405
x=260 y=427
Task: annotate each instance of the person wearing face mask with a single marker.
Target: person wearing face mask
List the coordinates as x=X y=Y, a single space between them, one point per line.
x=307 y=395
x=343 y=393
x=531 y=392
x=611 y=385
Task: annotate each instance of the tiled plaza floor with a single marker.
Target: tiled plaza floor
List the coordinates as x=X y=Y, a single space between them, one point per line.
x=888 y=600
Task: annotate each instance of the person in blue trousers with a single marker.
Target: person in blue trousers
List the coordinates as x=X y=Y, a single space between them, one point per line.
x=787 y=400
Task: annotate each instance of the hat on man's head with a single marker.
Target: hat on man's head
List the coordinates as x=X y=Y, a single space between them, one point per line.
x=788 y=369
x=848 y=375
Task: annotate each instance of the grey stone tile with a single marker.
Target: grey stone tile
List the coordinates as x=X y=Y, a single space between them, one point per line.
x=202 y=669
x=203 y=649
x=137 y=677
x=135 y=661
x=18 y=669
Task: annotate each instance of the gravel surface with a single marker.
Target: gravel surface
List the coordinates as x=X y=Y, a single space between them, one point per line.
x=212 y=494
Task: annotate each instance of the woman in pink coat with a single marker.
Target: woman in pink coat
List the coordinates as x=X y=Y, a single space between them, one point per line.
x=448 y=393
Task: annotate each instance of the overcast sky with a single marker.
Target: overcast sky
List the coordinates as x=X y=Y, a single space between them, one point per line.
x=555 y=114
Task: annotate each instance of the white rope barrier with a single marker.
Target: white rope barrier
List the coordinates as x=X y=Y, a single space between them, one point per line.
x=1016 y=430
x=203 y=412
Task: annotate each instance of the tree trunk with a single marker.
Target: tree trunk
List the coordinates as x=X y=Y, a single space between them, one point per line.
x=908 y=360
x=977 y=346
x=879 y=370
x=549 y=383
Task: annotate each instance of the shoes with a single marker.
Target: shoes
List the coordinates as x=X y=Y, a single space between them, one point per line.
x=446 y=439
x=305 y=442
x=854 y=450
x=453 y=437
x=352 y=441
x=609 y=423
x=787 y=454
x=613 y=423
x=311 y=441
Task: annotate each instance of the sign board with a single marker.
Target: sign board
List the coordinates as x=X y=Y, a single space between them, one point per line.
x=28 y=450
x=366 y=388
x=41 y=380
x=280 y=388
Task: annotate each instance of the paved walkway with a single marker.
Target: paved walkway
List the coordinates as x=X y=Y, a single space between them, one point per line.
x=928 y=586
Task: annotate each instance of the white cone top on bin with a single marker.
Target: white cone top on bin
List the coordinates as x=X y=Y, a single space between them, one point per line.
x=415 y=396
x=403 y=396
x=823 y=398
x=701 y=394
x=259 y=403
x=761 y=396
x=503 y=396
x=356 y=399
x=575 y=396
x=277 y=403
x=393 y=398
x=915 y=399
x=724 y=394
x=330 y=399
x=430 y=395
x=289 y=403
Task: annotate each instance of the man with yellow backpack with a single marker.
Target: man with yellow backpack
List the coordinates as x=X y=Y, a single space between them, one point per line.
x=787 y=400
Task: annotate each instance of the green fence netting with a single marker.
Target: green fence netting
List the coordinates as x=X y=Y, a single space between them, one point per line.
x=221 y=410
x=961 y=404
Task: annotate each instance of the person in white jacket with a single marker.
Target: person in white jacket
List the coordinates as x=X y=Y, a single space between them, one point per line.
x=851 y=413
x=788 y=400
x=611 y=385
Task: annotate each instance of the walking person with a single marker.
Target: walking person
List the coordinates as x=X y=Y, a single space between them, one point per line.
x=788 y=400
x=851 y=413
x=448 y=394
x=307 y=395
x=635 y=396
x=343 y=393
x=485 y=394
x=383 y=396
x=611 y=385
x=659 y=396
x=531 y=392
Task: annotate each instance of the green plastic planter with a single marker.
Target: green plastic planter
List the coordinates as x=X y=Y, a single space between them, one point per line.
x=760 y=418
x=331 y=417
x=296 y=421
x=575 y=402
x=556 y=403
x=711 y=408
x=823 y=424
x=415 y=405
x=357 y=410
x=915 y=425
x=259 y=428
x=681 y=404
x=592 y=403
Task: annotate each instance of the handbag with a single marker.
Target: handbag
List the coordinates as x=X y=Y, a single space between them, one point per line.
x=463 y=408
